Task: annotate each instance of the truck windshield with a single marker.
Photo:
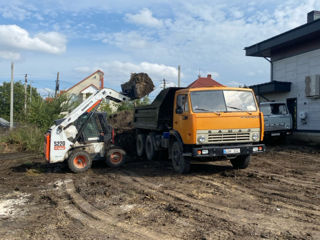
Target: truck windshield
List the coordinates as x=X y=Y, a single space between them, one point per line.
x=274 y=109
x=222 y=101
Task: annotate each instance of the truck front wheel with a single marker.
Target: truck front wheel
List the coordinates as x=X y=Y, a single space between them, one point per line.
x=140 y=144
x=179 y=162
x=240 y=162
x=79 y=161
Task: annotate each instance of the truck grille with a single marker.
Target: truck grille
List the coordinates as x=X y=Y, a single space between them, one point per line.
x=228 y=137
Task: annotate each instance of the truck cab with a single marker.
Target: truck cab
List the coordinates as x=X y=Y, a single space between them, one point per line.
x=212 y=123
x=277 y=119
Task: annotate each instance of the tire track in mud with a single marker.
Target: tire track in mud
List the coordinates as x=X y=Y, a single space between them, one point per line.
x=281 y=201
x=266 y=222
x=131 y=231
x=173 y=200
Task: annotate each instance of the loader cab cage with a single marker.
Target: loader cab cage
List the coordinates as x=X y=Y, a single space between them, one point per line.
x=90 y=127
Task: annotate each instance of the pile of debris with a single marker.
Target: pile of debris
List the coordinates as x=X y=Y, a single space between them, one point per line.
x=122 y=121
x=139 y=86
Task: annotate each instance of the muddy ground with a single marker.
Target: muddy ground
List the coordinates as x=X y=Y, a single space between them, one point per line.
x=277 y=197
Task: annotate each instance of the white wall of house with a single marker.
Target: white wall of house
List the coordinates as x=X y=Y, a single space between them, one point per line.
x=295 y=69
x=94 y=79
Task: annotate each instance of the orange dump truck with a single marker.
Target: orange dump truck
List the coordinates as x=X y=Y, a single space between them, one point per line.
x=205 y=124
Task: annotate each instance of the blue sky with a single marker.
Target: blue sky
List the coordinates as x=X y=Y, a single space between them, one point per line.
x=76 y=38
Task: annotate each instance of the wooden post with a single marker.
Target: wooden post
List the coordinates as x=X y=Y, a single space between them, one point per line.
x=11 y=97
x=25 y=93
x=57 y=86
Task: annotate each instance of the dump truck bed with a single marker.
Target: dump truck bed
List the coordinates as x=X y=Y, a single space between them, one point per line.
x=159 y=114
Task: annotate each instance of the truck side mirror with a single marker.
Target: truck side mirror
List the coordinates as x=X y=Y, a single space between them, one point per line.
x=179 y=110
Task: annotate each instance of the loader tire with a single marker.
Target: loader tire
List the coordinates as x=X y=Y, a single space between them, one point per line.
x=180 y=163
x=240 y=162
x=115 y=157
x=79 y=161
x=140 y=144
x=149 y=146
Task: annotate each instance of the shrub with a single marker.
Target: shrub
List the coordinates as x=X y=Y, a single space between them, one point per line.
x=27 y=137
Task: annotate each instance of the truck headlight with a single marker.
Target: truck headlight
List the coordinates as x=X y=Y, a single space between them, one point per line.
x=201 y=139
x=287 y=126
x=255 y=137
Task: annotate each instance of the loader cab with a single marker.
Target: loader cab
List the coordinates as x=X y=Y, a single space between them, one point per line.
x=94 y=129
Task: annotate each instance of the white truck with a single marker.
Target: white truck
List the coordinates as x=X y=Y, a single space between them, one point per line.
x=277 y=119
x=84 y=135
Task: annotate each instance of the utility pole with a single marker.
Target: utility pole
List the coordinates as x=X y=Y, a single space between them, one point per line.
x=30 y=92
x=11 y=97
x=179 y=70
x=164 y=84
x=57 y=85
x=25 y=93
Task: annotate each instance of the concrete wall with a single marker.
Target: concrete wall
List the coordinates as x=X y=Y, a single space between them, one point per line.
x=295 y=69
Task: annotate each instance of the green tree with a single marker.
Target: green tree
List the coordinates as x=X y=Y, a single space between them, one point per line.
x=125 y=106
x=145 y=100
x=18 y=100
x=42 y=112
x=105 y=107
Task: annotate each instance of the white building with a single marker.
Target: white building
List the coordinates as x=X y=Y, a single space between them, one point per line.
x=87 y=86
x=294 y=58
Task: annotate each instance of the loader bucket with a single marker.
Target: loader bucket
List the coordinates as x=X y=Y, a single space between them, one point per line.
x=139 y=86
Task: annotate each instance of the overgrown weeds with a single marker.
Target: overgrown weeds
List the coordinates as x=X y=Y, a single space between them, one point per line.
x=26 y=137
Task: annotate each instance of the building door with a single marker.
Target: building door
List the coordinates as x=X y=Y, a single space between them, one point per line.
x=292 y=107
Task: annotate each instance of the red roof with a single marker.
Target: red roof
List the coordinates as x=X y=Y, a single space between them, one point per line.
x=205 y=82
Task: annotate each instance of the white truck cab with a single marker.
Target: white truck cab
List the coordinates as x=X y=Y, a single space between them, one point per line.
x=277 y=119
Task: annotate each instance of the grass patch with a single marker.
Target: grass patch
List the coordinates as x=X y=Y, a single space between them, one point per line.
x=27 y=137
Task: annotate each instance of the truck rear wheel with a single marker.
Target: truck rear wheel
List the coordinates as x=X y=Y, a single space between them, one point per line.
x=79 y=161
x=180 y=163
x=240 y=162
x=115 y=157
x=140 y=144
x=150 y=147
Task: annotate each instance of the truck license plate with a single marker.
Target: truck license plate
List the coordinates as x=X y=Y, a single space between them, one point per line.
x=231 y=151
x=275 y=134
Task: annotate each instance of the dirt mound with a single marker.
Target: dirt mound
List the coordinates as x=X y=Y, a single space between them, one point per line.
x=139 y=85
x=122 y=122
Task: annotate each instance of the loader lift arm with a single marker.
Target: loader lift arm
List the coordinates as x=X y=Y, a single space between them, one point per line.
x=90 y=103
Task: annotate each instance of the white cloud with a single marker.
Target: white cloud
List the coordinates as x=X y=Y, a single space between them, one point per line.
x=210 y=36
x=117 y=72
x=46 y=92
x=14 y=39
x=145 y=18
x=15 y=12
x=196 y=34
x=83 y=69
x=127 y=40
x=9 y=55
x=156 y=71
